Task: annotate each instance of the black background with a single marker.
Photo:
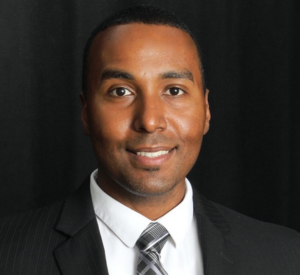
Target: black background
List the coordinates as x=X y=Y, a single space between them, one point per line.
x=250 y=160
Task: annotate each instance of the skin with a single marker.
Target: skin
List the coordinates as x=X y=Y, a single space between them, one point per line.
x=145 y=94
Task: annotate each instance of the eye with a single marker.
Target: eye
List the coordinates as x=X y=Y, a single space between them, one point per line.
x=175 y=91
x=120 y=91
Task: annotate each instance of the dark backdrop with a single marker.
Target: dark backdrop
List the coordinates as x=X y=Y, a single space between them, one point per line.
x=250 y=159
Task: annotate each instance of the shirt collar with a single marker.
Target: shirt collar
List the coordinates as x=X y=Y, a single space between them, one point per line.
x=179 y=219
x=128 y=225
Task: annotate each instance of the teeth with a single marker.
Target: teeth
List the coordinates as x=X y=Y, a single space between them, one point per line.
x=152 y=154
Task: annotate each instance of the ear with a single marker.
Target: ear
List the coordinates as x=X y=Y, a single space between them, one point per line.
x=84 y=117
x=207 y=112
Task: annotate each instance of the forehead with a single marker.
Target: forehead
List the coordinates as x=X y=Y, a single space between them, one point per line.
x=145 y=48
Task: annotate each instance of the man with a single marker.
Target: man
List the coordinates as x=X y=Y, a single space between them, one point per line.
x=145 y=108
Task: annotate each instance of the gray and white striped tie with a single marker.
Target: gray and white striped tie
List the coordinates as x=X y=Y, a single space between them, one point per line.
x=150 y=243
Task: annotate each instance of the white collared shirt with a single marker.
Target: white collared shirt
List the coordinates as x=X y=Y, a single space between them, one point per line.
x=121 y=227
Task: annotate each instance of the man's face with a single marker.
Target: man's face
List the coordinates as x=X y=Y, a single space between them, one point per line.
x=145 y=111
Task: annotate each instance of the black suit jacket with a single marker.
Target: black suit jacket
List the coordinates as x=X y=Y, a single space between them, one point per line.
x=64 y=238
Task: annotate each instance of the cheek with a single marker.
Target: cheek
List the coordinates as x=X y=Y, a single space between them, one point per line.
x=107 y=126
x=190 y=131
x=191 y=126
x=192 y=135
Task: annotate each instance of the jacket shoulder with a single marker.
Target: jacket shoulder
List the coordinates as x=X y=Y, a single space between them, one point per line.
x=256 y=247
x=29 y=238
x=247 y=225
x=258 y=239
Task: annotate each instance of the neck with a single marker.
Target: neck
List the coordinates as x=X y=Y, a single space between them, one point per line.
x=155 y=207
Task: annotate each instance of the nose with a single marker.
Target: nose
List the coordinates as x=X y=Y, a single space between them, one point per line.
x=150 y=114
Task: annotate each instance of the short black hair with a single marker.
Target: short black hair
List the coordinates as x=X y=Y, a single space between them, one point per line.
x=149 y=15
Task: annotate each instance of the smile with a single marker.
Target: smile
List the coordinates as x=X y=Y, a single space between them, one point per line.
x=152 y=154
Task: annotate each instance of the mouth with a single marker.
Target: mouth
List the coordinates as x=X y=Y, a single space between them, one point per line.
x=148 y=156
x=152 y=154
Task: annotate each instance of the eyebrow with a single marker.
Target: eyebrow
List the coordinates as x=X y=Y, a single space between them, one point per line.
x=186 y=74
x=110 y=73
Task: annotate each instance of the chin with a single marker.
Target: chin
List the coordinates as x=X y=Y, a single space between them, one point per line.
x=149 y=187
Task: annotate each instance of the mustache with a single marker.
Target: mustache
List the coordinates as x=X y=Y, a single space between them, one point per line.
x=150 y=140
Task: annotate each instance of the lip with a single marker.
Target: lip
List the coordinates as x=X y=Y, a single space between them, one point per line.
x=150 y=149
x=153 y=161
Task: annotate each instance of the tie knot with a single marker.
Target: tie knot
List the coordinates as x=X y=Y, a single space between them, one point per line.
x=153 y=238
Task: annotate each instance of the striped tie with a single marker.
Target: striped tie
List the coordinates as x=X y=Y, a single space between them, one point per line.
x=151 y=242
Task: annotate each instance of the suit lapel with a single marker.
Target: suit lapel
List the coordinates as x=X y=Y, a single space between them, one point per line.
x=217 y=250
x=83 y=252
